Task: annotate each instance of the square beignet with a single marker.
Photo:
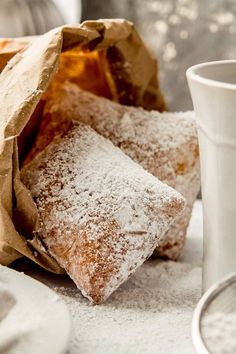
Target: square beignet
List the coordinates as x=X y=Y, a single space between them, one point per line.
x=101 y=214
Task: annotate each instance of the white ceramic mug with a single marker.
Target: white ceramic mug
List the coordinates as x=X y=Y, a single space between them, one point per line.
x=213 y=90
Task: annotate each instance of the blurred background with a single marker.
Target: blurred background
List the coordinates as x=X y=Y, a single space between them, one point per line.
x=180 y=33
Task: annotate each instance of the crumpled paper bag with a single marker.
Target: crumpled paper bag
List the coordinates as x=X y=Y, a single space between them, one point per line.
x=106 y=57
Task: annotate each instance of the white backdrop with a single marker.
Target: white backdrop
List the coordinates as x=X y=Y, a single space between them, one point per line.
x=70 y=9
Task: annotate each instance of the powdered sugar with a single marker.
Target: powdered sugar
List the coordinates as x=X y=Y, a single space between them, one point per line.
x=101 y=214
x=165 y=144
x=219 y=329
x=160 y=295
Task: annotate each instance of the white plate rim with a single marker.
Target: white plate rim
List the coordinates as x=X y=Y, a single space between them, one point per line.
x=11 y=279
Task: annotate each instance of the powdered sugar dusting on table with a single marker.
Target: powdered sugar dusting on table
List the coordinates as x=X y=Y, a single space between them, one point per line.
x=133 y=318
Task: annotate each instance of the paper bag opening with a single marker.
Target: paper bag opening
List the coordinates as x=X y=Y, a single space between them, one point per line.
x=106 y=57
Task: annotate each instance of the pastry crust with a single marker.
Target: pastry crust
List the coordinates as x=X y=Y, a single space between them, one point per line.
x=101 y=214
x=165 y=144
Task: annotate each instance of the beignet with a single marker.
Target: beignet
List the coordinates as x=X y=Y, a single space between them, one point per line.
x=101 y=214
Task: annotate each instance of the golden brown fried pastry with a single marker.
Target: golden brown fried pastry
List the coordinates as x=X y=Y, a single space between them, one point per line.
x=101 y=214
x=165 y=144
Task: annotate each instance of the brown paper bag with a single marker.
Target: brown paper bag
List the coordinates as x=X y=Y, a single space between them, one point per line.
x=106 y=57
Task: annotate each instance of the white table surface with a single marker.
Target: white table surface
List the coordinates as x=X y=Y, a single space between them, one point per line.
x=119 y=326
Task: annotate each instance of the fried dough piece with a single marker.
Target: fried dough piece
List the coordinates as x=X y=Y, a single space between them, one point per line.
x=101 y=214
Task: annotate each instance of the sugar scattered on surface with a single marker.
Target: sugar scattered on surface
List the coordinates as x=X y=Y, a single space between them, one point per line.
x=133 y=319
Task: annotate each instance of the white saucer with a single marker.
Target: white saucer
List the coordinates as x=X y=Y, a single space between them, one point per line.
x=33 y=319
